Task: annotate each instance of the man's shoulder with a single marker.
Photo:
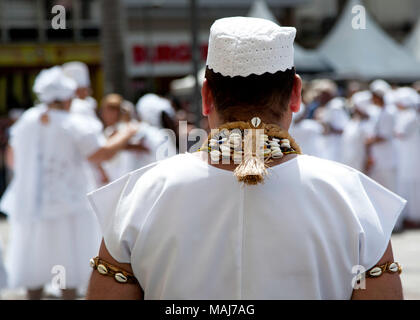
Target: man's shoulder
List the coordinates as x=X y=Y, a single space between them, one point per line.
x=177 y=170
x=318 y=168
x=33 y=112
x=177 y=165
x=29 y=118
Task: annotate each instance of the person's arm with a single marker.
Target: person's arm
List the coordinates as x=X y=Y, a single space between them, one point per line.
x=386 y=287
x=106 y=288
x=9 y=157
x=375 y=140
x=114 y=144
x=102 y=174
x=137 y=147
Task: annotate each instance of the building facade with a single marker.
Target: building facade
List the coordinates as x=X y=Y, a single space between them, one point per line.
x=156 y=36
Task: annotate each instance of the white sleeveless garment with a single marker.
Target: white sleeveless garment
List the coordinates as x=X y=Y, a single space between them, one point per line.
x=191 y=231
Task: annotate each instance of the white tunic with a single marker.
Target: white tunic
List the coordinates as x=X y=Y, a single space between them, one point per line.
x=384 y=153
x=51 y=222
x=353 y=148
x=408 y=151
x=337 y=118
x=191 y=231
x=86 y=108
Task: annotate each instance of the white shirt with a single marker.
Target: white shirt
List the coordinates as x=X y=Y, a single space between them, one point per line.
x=337 y=118
x=408 y=125
x=191 y=231
x=383 y=153
x=353 y=148
x=50 y=168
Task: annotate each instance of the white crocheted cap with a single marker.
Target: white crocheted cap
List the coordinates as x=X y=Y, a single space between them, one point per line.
x=241 y=46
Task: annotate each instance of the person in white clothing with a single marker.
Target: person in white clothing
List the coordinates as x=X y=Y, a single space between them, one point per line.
x=159 y=113
x=52 y=226
x=308 y=133
x=334 y=118
x=142 y=148
x=84 y=104
x=205 y=226
x=408 y=149
x=381 y=147
x=356 y=132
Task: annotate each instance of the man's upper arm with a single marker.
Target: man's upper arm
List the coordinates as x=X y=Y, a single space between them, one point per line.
x=106 y=288
x=386 y=287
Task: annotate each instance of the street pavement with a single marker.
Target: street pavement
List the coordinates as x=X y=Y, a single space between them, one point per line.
x=406 y=248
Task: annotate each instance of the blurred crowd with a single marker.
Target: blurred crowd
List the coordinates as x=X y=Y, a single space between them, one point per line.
x=372 y=127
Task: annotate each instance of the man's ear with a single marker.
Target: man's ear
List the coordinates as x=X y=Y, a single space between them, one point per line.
x=207 y=98
x=296 y=96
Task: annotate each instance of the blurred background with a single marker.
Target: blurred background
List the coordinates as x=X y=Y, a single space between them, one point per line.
x=132 y=46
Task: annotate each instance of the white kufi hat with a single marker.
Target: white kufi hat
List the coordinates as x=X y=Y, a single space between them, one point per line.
x=241 y=46
x=53 y=85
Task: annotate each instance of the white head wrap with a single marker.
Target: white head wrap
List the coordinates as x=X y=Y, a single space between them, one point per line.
x=79 y=72
x=150 y=108
x=335 y=113
x=407 y=97
x=53 y=85
x=241 y=46
x=362 y=100
x=380 y=88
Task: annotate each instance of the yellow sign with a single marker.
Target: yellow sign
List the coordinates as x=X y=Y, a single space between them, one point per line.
x=23 y=55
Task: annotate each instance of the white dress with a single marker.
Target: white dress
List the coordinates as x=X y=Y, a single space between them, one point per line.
x=337 y=118
x=408 y=151
x=86 y=108
x=191 y=231
x=51 y=222
x=384 y=153
x=353 y=148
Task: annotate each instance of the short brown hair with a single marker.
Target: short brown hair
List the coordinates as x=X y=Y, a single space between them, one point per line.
x=257 y=93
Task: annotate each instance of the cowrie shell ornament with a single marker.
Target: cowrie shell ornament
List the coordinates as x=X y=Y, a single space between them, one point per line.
x=215 y=154
x=120 y=277
x=102 y=269
x=375 y=272
x=256 y=122
x=393 y=267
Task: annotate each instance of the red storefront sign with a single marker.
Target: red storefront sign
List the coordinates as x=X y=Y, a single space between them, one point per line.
x=165 y=53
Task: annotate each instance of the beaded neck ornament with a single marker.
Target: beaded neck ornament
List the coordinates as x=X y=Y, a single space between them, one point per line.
x=229 y=142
